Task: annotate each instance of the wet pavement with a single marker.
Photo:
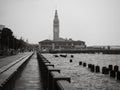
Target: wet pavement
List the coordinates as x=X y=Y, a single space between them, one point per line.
x=30 y=78
x=9 y=59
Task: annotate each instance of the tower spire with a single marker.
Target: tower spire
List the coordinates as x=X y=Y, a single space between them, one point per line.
x=56 y=13
x=56 y=27
x=56 y=20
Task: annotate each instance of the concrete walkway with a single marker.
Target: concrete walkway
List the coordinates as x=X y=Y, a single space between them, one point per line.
x=9 y=59
x=30 y=78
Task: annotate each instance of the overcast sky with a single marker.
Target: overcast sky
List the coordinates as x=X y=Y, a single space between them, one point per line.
x=97 y=22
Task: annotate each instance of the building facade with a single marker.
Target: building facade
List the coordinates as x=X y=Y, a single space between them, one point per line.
x=47 y=45
x=59 y=43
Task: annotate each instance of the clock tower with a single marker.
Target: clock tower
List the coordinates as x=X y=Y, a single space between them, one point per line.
x=56 y=27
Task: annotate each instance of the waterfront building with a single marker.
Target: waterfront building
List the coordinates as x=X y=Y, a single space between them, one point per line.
x=59 y=43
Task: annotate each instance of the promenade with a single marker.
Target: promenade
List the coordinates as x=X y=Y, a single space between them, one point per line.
x=30 y=78
x=20 y=72
x=31 y=71
x=9 y=59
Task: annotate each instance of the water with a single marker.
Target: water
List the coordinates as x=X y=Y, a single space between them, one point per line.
x=81 y=77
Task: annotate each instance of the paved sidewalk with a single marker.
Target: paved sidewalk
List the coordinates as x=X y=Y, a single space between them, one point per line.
x=9 y=59
x=30 y=78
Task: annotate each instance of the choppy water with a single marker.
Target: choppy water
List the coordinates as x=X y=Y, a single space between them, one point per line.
x=81 y=77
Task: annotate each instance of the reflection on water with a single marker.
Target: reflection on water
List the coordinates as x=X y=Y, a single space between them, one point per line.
x=81 y=77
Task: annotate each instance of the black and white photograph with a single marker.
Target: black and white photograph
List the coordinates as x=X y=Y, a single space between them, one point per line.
x=59 y=44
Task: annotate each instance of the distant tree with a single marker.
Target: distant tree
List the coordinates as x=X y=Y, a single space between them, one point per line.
x=9 y=41
x=6 y=36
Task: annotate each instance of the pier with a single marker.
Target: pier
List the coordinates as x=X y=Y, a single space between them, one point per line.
x=31 y=71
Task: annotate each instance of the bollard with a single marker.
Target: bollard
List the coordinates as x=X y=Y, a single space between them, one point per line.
x=97 y=69
x=116 y=68
x=80 y=63
x=70 y=60
x=89 y=65
x=110 y=67
x=72 y=56
x=105 y=70
x=118 y=75
x=112 y=73
x=84 y=64
x=92 y=68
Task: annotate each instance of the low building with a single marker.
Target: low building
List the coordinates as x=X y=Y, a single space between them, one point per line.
x=47 y=45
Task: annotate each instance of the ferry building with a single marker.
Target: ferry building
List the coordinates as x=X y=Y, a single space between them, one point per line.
x=59 y=43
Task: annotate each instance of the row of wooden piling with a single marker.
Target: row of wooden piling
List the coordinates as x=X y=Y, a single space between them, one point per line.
x=52 y=77
x=112 y=71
